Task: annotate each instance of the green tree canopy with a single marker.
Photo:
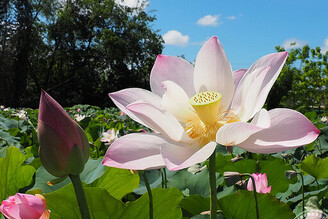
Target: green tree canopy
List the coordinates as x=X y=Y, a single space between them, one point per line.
x=78 y=51
x=302 y=84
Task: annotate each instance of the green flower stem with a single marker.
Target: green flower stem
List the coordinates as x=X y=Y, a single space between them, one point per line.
x=82 y=202
x=165 y=178
x=303 y=206
x=255 y=197
x=149 y=195
x=211 y=169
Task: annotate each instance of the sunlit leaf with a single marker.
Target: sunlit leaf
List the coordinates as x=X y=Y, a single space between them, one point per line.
x=165 y=205
x=14 y=174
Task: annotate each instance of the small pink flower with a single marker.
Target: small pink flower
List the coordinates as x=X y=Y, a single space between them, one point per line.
x=122 y=113
x=78 y=110
x=261 y=183
x=23 y=206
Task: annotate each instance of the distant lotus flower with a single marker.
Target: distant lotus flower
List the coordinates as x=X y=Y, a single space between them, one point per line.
x=261 y=183
x=122 y=113
x=78 y=110
x=79 y=117
x=21 y=114
x=2 y=107
x=324 y=119
x=64 y=147
x=25 y=206
x=192 y=108
x=109 y=136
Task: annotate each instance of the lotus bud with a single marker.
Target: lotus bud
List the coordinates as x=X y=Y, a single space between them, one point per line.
x=64 y=147
x=232 y=178
x=290 y=174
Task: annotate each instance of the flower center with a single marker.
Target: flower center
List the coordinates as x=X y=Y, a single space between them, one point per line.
x=211 y=116
x=206 y=105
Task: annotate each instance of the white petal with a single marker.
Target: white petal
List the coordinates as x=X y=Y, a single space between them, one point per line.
x=176 y=101
x=173 y=69
x=159 y=120
x=125 y=97
x=213 y=71
x=289 y=129
x=177 y=157
x=237 y=75
x=237 y=132
x=137 y=151
x=254 y=87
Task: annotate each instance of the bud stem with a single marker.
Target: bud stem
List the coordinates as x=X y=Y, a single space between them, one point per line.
x=255 y=197
x=82 y=202
x=212 y=179
x=149 y=194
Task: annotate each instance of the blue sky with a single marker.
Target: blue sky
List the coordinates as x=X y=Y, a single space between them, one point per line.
x=247 y=30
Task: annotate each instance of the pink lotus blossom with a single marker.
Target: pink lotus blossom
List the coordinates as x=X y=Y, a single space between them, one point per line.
x=261 y=183
x=64 y=147
x=192 y=108
x=109 y=136
x=122 y=113
x=25 y=206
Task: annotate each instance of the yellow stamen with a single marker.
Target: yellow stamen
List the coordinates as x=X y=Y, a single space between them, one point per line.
x=211 y=117
x=206 y=105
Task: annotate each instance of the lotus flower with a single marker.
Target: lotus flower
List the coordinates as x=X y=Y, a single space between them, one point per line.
x=64 y=147
x=109 y=136
x=25 y=206
x=192 y=108
x=261 y=183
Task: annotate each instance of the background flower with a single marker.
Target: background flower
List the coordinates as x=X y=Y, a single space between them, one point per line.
x=261 y=183
x=25 y=206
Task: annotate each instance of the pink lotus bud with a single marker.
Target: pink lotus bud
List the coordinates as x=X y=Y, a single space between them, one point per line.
x=261 y=183
x=21 y=206
x=64 y=147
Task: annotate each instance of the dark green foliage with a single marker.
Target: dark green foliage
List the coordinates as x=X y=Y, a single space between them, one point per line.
x=303 y=81
x=77 y=51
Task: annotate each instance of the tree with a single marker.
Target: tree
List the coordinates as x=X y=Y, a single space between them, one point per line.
x=79 y=51
x=302 y=83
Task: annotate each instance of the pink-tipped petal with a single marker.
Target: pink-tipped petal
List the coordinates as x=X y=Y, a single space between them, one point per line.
x=176 y=101
x=266 y=190
x=31 y=200
x=22 y=211
x=237 y=75
x=159 y=120
x=177 y=157
x=237 y=132
x=246 y=93
x=173 y=69
x=257 y=82
x=137 y=151
x=125 y=97
x=289 y=129
x=213 y=71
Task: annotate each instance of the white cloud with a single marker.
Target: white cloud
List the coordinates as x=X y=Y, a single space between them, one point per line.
x=175 y=38
x=133 y=3
x=231 y=17
x=293 y=43
x=324 y=48
x=209 y=20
